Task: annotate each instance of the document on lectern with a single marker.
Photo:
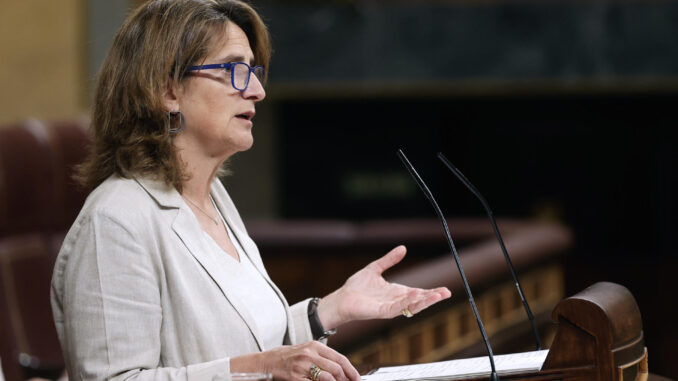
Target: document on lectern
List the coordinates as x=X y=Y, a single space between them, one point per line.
x=513 y=363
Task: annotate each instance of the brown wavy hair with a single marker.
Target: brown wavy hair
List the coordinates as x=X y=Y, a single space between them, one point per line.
x=152 y=49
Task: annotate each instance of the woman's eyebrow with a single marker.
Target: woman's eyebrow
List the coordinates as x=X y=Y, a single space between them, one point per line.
x=236 y=58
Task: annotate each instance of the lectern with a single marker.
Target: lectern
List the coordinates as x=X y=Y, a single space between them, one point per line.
x=599 y=337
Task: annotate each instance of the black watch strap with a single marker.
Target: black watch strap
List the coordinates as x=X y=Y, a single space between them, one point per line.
x=317 y=328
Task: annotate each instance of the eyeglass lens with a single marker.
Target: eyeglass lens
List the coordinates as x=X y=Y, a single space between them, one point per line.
x=241 y=75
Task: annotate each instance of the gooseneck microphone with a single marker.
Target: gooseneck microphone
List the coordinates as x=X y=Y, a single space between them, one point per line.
x=480 y=197
x=429 y=196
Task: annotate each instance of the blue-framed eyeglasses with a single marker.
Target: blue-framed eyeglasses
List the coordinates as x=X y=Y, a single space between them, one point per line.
x=240 y=72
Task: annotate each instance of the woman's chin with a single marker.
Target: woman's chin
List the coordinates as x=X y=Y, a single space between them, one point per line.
x=242 y=145
x=247 y=144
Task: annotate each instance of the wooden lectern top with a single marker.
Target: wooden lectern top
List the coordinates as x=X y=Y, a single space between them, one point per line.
x=601 y=325
x=599 y=337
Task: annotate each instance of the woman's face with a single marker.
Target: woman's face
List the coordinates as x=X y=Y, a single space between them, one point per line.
x=219 y=117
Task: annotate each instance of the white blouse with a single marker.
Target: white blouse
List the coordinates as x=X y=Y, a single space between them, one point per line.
x=255 y=292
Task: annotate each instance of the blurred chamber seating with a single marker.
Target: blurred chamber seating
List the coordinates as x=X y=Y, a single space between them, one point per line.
x=39 y=201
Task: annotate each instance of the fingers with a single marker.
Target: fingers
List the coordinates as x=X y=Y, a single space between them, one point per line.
x=326 y=376
x=336 y=364
x=295 y=363
x=425 y=298
x=390 y=259
x=331 y=371
x=333 y=365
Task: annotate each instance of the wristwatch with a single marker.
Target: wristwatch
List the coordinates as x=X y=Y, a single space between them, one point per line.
x=317 y=329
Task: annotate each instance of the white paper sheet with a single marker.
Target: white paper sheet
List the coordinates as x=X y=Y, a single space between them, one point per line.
x=454 y=369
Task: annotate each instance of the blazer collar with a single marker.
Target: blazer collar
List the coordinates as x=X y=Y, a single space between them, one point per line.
x=164 y=194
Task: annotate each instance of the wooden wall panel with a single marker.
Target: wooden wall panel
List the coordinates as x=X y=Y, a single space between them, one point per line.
x=42 y=65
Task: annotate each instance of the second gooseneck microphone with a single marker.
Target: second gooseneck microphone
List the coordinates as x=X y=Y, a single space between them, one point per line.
x=480 y=197
x=429 y=196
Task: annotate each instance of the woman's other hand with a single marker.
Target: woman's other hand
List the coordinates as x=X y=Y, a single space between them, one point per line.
x=293 y=363
x=367 y=295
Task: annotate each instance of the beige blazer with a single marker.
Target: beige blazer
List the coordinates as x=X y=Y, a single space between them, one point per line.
x=137 y=293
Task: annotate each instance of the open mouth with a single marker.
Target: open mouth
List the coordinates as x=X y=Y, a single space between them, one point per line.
x=246 y=115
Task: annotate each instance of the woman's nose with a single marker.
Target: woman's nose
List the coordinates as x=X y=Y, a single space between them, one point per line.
x=255 y=89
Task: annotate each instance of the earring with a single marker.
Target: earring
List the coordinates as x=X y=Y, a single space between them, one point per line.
x=182 y=121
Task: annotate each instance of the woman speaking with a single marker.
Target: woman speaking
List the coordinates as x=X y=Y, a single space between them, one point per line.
x=158 y=278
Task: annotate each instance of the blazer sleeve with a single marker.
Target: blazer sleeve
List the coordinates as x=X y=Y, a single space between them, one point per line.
x=302 y=327
x=106 y=300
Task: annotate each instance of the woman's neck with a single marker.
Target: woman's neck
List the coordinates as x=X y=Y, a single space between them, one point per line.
x=201 y=170
x=197 y=187
x=200 y=176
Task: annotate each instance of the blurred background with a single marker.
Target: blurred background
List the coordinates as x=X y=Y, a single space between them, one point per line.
x=558 y=110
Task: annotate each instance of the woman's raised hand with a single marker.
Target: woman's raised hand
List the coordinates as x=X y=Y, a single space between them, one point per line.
x=367 y=295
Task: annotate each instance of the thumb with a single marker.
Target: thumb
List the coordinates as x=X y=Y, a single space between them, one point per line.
x=389 y=260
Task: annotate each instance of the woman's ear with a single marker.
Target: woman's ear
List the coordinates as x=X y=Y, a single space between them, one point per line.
x=170 y=98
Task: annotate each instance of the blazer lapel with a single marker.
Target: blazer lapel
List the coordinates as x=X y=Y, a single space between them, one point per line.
x=187 y=227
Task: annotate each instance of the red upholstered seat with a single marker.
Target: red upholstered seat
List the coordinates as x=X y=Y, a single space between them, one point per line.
x=8 y=346
x=26 y=264
x=26 y=178
x=69 y=141
x=38 y=203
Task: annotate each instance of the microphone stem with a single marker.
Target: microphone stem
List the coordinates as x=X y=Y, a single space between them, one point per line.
x=486 y=206
x=450 y=242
